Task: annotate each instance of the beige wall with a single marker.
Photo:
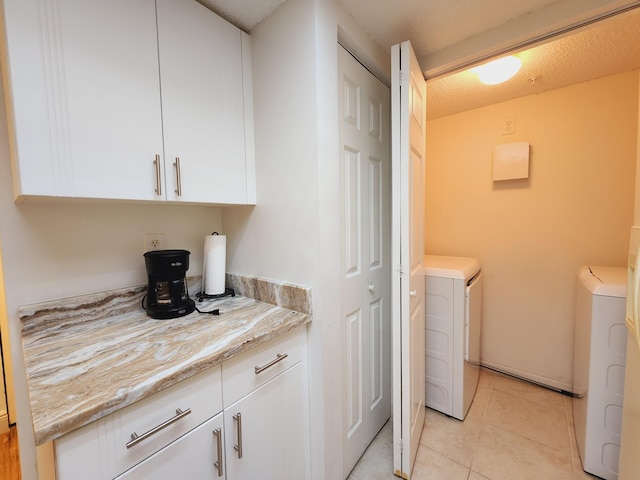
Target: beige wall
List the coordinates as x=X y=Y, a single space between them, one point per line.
x=532 y=235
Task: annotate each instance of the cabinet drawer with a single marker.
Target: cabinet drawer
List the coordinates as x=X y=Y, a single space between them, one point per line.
x=99 y=450
x=246 y=372
x=192 y=456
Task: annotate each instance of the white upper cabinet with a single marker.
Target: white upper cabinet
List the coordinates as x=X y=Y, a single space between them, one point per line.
x=92 y=87
x=203 y=104
x=84 y=92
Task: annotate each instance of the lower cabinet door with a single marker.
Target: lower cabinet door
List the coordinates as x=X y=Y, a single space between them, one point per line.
x=197 y=455
x=265 y=431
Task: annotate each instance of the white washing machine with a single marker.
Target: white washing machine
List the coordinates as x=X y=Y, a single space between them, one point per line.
x=453 y=311
x=599 y=355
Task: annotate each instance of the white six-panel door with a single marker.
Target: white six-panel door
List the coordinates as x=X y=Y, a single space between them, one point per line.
x=408 y=97
x=365 y=259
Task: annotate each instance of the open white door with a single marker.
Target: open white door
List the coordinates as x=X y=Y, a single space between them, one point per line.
x=408 y=97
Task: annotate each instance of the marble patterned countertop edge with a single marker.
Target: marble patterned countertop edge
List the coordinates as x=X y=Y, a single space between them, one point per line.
x=89 y=356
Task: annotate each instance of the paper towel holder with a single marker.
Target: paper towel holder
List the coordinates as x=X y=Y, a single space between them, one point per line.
x=228 y=292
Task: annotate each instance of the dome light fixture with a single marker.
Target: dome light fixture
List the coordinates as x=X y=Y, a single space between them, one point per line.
x=498 y=71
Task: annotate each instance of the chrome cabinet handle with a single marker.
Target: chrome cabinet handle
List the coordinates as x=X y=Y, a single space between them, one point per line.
x=412 y=293
x=238 y=446
x=218 y=463
x=156 y=162
x=372 y=287
x=178 y=181
x=279 y=358
x=135 y=438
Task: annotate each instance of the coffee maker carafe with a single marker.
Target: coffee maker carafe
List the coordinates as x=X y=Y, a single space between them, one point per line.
x=167 y=294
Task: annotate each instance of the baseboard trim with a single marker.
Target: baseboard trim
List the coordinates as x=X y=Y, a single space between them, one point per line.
x=561 y=387
x=4 y=422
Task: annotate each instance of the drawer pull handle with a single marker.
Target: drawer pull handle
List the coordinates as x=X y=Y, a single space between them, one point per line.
x=135 y=438
x=238 y=447
x=279 y=358
x=218 y=463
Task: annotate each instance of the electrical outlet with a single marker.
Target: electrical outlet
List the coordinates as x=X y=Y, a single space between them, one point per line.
x=153 y=241
x=508 y=126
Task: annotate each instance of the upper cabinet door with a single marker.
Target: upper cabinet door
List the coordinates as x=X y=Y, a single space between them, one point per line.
x=203 y=81
x=83 y=79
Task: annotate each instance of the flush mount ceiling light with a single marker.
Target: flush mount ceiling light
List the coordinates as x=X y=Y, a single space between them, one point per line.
x=498 y=71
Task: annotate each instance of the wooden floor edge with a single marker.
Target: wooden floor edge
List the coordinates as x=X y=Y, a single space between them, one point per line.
x=9 y=455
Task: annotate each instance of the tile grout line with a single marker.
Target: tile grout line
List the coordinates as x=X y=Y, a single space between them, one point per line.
x=482 y=427
x=576 y=463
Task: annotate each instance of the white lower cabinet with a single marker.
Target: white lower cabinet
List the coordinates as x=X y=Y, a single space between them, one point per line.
x=193 y=456
x=246 y=419
x=265 y=432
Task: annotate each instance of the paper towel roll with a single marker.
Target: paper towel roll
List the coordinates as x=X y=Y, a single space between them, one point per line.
x=215 y=259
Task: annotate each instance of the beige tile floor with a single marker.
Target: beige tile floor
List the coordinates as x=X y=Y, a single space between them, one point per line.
x=514 y=431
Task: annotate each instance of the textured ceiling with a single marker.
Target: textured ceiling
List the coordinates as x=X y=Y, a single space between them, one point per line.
x=610 y=47
x=432 y=25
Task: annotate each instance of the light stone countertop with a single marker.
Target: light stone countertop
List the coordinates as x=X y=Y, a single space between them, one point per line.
x=88 y=358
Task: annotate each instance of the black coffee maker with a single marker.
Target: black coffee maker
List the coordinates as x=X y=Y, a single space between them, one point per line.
x=167 y=294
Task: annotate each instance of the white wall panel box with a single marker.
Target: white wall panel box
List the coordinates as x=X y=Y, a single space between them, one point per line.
x=511 y=161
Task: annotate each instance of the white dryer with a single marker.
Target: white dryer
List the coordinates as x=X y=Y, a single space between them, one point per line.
x=453 y=319
x=599 y=357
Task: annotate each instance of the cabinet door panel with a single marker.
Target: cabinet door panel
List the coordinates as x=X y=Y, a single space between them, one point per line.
x=86 y=98
x=191 y=456
x=202 y=103
x=274 y=436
